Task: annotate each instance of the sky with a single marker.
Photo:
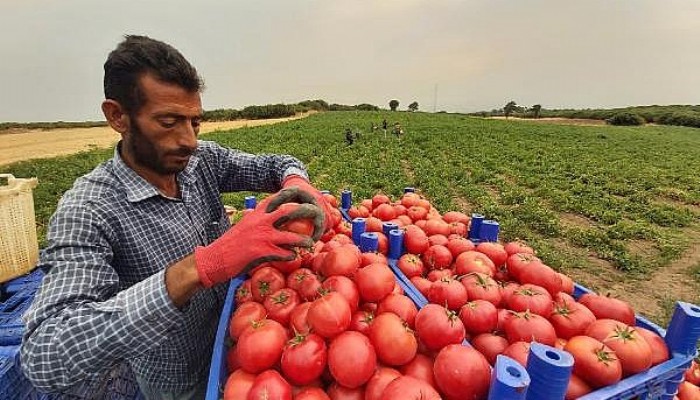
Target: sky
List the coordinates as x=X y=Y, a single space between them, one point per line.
x=455 y=56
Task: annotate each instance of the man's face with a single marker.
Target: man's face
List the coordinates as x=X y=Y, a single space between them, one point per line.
x=163 y=133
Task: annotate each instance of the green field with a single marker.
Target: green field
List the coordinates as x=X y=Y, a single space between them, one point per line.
x=617 y=208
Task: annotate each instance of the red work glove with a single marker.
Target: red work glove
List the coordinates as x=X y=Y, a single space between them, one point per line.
x=305 y=186
x=255 y=239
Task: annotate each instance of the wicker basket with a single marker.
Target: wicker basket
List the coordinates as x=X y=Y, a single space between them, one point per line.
x=19 y=249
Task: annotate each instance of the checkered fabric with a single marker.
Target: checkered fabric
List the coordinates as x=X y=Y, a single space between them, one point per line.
x=104 y=299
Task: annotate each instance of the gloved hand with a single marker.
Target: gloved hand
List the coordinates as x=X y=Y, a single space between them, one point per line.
x=305 y=187
x=255 y=239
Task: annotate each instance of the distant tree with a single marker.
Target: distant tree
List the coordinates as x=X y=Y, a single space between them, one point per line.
x=509 y=108
x=536 y=109
x=394 y=104
x=413 y=106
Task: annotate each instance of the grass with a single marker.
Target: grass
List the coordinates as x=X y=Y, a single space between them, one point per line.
x=623 y=195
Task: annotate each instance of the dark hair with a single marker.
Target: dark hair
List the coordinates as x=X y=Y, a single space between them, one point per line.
x=139 y=55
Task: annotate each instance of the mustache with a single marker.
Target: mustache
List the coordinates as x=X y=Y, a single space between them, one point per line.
x=183 y=152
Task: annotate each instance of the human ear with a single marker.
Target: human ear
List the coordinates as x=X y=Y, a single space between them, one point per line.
x=115 y=115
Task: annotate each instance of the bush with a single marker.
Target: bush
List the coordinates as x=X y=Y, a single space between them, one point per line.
x=627 y=119
x=690 y=119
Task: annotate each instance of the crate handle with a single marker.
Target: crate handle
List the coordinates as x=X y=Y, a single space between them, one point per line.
x=10 y=179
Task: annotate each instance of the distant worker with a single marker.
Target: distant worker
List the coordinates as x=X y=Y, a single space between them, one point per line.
x=397 y=129
x=348 y=136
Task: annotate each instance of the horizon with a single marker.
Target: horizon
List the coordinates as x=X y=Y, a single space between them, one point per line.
x=448 y=56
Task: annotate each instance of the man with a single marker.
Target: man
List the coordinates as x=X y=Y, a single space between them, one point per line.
x=140 y=251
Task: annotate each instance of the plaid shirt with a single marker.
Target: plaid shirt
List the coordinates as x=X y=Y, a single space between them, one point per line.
x=104 y=298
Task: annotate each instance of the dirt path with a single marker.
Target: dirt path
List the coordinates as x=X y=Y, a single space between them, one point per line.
x=37 y=143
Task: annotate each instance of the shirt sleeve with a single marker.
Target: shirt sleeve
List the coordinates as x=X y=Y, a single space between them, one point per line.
x=81 y=324
x=237 y=171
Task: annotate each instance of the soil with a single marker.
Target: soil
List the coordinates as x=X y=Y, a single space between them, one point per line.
x=26 y=144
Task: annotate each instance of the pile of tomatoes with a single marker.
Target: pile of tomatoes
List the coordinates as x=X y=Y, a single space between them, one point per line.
x=690 y=388
x=335 y=324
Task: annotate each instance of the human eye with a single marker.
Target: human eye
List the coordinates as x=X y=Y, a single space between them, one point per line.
x=167 y=122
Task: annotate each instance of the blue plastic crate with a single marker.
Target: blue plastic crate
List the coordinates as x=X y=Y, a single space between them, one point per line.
x=510 y=379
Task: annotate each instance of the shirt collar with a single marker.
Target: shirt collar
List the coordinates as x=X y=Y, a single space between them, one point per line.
x=136 y=187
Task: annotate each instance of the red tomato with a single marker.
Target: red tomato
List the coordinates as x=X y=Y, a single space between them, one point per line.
x=571 y=319
x=533 y=298
x=306 y=283
x=401 y=306
x=346 y=287
x=394 y=343
x=379 y=199
x=361 y=321
x=518 y=247
x=399 y=209
x=494 y=251
x=375 y=282
x=260 y=346
x=298 y=319
x=437 y=227
x=246 y=315
x=351 y=359
x=437 y=274
x=437 y=257
x=244 y=293
x=543 y=276
x=456 y=216
x=409 y=199
x=420 y=367
x=238 y=385
x=594 y=362
x=279 y=305
x=379 y=381
x=417 y=213
x=528 y=327
x=232 y=363
x=448 y=292
x=329 y=315
x=473 y=261
x=304 y=359
x=507 y=289
x=338 y=392
x=518 y=351
x=311 y=393
x=438 y=326
x=518 y=262
x=264 y=281
x=692 y=374
x=461 y=372
x=482 y=287
x=373 y=224
x=688 y=391
x=459 y=229
x=270 y=385
x=371 y=258
x=489 y=345
x=415 y=240
x=479 y=316
x=341 y=261
x=286 y=267
x=409 y=388
x=438 y=240
x=567 y=284
x=577 y=388
x=629 y=346
x=608 y=307
x=385 y=212
x=459 y=245
x=422 y=284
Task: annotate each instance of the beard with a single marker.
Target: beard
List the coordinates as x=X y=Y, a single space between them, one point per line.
x=149 y=155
